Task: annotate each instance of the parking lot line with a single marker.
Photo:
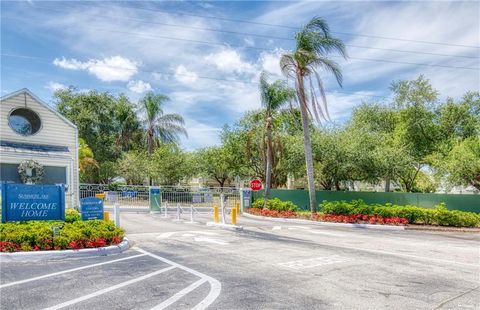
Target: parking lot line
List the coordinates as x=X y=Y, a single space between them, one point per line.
x=69 y=270
x=215 y=285
x=179 y=295
x=109 y=289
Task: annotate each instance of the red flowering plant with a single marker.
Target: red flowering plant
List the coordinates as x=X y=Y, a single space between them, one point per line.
x=39 y=235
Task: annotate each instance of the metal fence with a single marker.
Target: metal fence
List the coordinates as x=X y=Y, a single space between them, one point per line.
x=128 y=195
x=138 y=195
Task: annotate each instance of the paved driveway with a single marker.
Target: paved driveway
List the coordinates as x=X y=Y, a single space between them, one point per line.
x=268 y=265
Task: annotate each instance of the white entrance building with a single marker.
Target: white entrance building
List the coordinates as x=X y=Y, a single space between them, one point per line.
x=31 y=130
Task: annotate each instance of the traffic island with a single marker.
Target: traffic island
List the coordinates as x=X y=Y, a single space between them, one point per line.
x=225 y=226
x=73 y=234
x=35 y=256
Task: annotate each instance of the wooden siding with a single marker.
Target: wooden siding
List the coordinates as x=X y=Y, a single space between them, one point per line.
x=54 y=131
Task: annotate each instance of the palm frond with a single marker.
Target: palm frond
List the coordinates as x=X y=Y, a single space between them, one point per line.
x=288 y=65
x=322 y=94
x=329 y=65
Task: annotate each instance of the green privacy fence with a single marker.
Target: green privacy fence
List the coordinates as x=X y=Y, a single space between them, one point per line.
x=462 y=202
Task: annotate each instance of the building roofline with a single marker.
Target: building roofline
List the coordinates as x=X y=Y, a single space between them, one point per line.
x=43 y=103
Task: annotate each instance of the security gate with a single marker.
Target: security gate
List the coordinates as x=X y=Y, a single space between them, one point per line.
x=157 y=196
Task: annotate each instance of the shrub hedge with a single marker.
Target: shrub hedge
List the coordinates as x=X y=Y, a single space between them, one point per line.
x=437 y=216
x=72 y=234
x=275 y=204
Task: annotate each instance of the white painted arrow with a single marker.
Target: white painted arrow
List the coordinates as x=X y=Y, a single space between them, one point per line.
x=210 y=240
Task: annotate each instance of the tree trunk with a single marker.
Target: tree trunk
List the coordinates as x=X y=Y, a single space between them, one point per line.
x=268 y=172
x=307 y=143
x=387 y=184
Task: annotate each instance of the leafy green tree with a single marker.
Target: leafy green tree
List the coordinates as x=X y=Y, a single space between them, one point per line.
x=216 y=162
x=274 y=96
x=107 y=123
x=86 y=162
x=461 y=166
x=134 y=167
x=415 y=102
x=160 y=127
x=168 y=165
x=314 y=43
x=246 y=142
x=128 y=126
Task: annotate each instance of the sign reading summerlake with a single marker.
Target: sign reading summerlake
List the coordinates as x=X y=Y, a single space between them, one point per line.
x=91 y=208
x=28 y=202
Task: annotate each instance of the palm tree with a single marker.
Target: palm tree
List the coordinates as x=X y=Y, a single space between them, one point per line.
x=313 y=46
x=160 y=127
x=273 y=96
x=126 y=122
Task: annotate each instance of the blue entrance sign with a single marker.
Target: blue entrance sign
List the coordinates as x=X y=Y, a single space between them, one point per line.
x=28 y=202
x=91 y=208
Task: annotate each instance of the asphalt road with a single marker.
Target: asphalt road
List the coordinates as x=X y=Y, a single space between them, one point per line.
x=268 y=265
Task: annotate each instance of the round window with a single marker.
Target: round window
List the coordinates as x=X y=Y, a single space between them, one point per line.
x=24 y=121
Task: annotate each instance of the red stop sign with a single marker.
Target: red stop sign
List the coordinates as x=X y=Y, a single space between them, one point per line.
x=256 y=185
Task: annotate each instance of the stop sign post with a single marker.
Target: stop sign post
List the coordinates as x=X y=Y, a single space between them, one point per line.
x=256 y=185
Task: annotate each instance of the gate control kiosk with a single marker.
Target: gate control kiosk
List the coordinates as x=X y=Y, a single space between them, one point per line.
x=245 y=199
x=155 y=199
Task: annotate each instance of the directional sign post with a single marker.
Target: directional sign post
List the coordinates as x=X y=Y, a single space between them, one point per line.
x=91 y=208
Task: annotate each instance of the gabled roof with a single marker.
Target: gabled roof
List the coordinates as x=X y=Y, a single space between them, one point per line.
x=40 y=101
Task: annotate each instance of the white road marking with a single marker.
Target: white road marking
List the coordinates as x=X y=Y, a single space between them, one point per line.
x=297 y=227
x=109 y=289
x=169 y=234
x=215 y=285
x=277 y=228
x=210 y=240
x=314 y=262
x=318 y=232
x=166 y=235
x=179 y=295
x=69 y=270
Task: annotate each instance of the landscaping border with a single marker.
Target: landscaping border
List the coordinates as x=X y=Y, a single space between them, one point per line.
x=300 y=221
x=35 y=256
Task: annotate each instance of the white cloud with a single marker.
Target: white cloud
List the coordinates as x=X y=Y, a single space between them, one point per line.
x=139 y=86
x=270 y=61
x=185 y=76
x=200 y=135
x=229 y=60
x=249 y=41
x=54 y=86
x=115 y=68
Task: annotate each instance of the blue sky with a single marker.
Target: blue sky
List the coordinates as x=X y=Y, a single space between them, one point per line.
x=133 y=47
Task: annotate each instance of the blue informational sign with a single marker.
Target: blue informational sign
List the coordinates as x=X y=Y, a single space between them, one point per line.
x=91 y=208
x=28 y=202
x=129 y=194
x=197 y=198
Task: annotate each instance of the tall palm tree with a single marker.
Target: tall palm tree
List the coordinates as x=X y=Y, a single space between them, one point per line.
x=127 y=124
x=160 y=127
x=274 y=96
x=313 y=46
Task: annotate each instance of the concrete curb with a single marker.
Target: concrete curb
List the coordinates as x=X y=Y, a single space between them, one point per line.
x=35 y=256
x=226 y=226
x=297 y=221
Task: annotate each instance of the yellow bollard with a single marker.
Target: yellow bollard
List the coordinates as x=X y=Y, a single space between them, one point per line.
x=234 y=216
x=106 y=216
x=100 y=195
x=215 y=214
x=237 y=206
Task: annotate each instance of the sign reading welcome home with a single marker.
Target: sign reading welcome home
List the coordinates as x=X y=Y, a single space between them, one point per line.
x=91 y=208
x=27 y=202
